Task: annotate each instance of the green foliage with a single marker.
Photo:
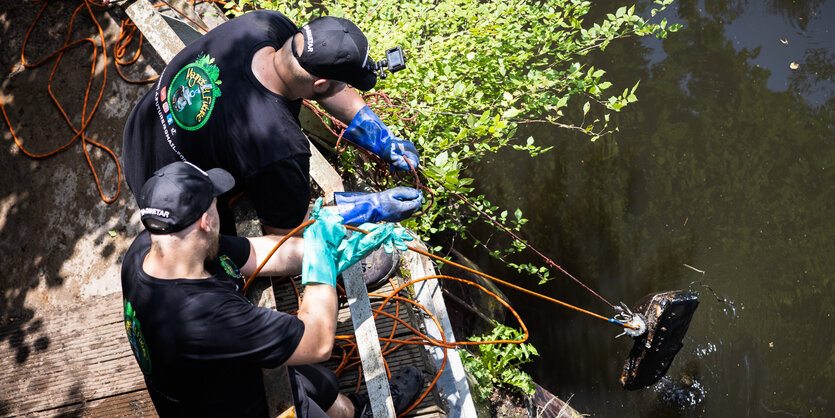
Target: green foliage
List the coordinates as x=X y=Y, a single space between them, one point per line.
x=477 y=70
x=498 y=364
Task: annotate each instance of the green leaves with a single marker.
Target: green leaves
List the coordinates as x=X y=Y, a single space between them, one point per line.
x=498 y=364
x=478 y=70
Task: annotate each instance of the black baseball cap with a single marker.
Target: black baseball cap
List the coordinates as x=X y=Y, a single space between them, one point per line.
x=336 y=49
x=178 y=194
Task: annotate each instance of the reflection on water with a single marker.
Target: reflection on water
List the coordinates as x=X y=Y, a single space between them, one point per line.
x=720 y=181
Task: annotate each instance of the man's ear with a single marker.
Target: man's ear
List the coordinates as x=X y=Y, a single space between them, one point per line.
x=204 y=222
x=320 y=86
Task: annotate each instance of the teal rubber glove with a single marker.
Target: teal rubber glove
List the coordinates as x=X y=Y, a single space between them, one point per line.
x=391 y=205
x=327 y=251
x=368 y=131
x=359 y=244
x=321 y=242
x=397 y=240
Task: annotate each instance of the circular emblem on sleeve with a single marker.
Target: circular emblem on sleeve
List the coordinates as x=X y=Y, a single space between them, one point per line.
x=137 y=339
x=193 y=92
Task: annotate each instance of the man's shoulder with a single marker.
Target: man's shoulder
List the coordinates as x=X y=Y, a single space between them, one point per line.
x=265 y=13
x=140 y=245
x=270 y=16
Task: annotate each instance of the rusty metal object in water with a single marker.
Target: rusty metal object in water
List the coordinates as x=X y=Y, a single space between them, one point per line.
x=667 y=316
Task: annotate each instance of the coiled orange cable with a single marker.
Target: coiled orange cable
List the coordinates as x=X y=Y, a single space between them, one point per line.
x=349 y=357
x=86 y=114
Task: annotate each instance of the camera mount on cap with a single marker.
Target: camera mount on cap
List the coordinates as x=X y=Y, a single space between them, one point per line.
x=395 y=61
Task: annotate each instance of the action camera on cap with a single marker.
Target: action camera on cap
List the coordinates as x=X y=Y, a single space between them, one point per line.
x=395 y=61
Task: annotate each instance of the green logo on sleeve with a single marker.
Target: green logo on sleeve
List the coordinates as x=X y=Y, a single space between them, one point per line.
x=233 y=271
x=137 y=340
x=193 y=91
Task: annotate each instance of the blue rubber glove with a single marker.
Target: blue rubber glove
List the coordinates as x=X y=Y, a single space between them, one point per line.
x=368 y=131
x=321 y=241
x=392 y=205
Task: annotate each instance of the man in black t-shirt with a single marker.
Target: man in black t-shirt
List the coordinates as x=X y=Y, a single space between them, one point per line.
x=231 y=99
x=199 y=342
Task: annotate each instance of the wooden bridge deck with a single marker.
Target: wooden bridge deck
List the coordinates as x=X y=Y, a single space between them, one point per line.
x=83 y=366
x=350 y=379
x=87 y=367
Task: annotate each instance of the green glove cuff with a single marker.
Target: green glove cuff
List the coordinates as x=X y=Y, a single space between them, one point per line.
x=321 y=240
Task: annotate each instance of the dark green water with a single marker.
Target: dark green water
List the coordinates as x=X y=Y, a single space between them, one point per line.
x=726 y=164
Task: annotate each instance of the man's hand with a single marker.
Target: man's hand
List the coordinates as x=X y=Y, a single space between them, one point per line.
x=391 y=205
x=327 y=249
x=368 y=131
x=321 y=241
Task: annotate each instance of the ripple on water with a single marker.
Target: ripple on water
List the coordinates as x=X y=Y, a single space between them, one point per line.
x=683 y=394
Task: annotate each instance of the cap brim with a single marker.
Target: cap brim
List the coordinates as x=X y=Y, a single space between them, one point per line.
x=366 y=81
x=221 y=180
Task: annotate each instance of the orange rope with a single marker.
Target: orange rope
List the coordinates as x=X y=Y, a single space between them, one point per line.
x=350 y=358
x=267 y=258
x=127 y=30
x=348 y=347
x=521 y=289
x=86 y=114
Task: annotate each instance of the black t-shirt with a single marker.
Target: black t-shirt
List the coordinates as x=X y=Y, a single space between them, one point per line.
x=199 y=342
x=208 y=108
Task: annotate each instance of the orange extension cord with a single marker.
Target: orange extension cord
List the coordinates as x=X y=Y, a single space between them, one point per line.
x=127 y=34
x=350 y=358
x=86 y=114
x=346 y=344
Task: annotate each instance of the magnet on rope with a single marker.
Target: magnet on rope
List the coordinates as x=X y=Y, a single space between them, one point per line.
x=667 y=316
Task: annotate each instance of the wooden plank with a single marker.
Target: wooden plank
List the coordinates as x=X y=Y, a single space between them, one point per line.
x=153 y=27
x=453 y=382
x=323 y=174
x=122 y=405
x=69 y=367
x=376 y=381
x=190 y=16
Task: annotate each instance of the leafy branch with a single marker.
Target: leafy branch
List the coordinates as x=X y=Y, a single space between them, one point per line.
x=498 y=364
x=478 y=70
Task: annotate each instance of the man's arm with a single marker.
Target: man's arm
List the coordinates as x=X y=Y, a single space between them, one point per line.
x=343 y=105
x=319 y=305
x=318 y=311
x=287 y=260
x=368 y=131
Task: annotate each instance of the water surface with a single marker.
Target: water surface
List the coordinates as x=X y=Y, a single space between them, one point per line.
x=720 y=180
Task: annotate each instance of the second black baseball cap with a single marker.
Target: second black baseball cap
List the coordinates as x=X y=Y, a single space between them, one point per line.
x=178 y=194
